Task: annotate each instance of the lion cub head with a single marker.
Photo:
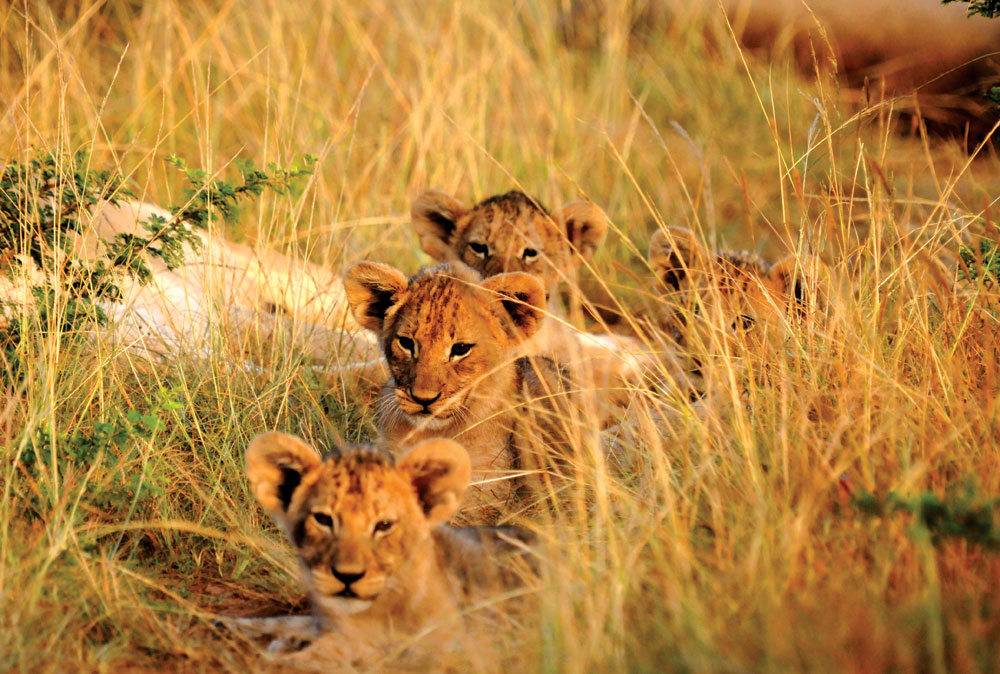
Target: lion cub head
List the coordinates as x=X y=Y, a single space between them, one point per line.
x=734 y=289
x=509 y=232
x=447 y=334
x=359 y=521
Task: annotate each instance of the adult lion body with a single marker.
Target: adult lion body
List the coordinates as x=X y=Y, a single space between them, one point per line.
x=923 y=49
x=251 y=293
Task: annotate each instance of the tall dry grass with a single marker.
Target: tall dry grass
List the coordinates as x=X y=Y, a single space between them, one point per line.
x=723 y=537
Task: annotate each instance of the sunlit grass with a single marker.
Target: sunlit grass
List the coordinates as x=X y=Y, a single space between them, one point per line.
x=721 y=536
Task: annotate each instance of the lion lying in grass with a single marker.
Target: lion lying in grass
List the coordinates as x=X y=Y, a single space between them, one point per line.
x=514 y=232
x=928 y=50
x=252 y=294
x=381 y=567
x=453 y=343
x=716 y=304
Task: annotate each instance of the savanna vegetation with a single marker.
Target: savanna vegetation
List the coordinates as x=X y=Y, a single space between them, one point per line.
x=832 y=507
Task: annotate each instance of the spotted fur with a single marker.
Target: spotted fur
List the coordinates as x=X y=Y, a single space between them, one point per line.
x=377 y=560
x=515 y=232
x=714 y=299
x=739 y=285
x=452 y=342
x=510 y=232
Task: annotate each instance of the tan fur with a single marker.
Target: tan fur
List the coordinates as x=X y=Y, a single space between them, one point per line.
x=716 y=299
x=452 y=342
x=251 y=292
x=925 y=46
x=873 y=38
x=514 y=232
x=510 y=232
x=377 y=560
x=737 y=284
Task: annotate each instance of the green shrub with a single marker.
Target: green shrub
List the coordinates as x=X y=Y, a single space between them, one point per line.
x=987 y=8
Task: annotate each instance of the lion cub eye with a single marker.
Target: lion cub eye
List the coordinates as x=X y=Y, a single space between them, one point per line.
x=480 y=249
x=529 y=254
x=460 y=349
x=744 y=322
x=407 y=344
x=323 y=520
x=383 y=526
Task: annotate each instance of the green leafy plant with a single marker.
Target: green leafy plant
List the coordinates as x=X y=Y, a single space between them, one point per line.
x=205 y=199
x=109 y=443
x=43 y=203
x=987 y=8
x=46 y=202
x=993 y=95
x=961 y=513
x=984 y=262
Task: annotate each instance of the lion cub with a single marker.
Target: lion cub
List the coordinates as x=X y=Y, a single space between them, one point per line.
x=380 y=566
x=511 y=232
x=722 y=302
x=514 y=232
x=453 y=345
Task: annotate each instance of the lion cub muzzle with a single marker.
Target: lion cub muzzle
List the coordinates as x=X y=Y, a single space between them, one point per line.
x=424 y=400
x=347 y=579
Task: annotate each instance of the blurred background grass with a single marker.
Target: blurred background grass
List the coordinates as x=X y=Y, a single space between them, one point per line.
x=730 y=544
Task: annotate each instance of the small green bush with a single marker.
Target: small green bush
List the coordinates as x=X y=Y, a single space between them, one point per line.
x=985 y=262
x=987 y=8
x=962 y=513
x=45 y=202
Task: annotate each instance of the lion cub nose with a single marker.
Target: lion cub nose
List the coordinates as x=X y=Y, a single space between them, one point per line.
x=347 y=578
x=423 y=400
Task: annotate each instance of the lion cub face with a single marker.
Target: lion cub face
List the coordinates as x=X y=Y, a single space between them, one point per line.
x=357 y=520
x=732 y=289
x=509 y=232
x=447 y=334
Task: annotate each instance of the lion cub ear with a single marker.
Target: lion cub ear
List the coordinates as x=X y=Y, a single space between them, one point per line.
x=585 y=225
x=372 y=288
x=802 y=281
x=439 y=470
x=276 y=463
x=435 y=218
x=522 y=297
x=673 y=253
